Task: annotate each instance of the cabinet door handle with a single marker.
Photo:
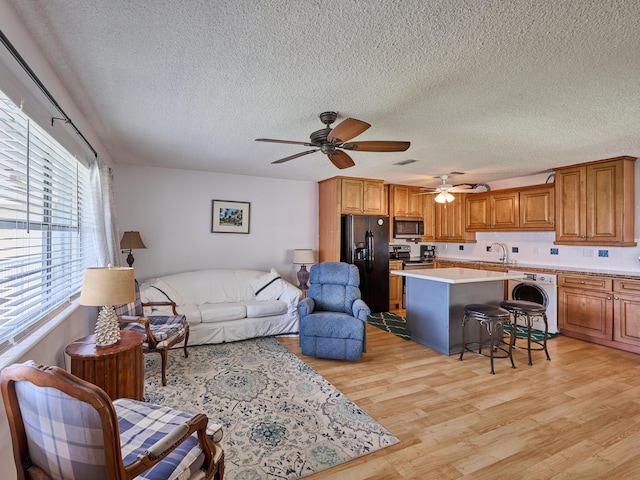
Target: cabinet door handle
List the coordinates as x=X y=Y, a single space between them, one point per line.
x=616 y=298
x=608 y=298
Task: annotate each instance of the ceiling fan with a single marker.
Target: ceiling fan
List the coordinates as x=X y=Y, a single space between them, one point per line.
x=332 y=141
x=444 y=191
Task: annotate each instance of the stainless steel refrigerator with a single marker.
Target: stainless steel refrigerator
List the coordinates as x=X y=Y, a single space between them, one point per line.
x=365 y=243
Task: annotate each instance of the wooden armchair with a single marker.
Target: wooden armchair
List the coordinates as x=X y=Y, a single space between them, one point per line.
x=63 y=427
x=161 y=331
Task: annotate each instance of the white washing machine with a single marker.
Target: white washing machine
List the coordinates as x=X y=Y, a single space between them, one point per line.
x=540 y=288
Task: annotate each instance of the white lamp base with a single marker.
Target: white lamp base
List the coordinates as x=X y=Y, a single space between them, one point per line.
x=107 y=331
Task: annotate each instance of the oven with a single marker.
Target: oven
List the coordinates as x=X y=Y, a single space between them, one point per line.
x=540 y=288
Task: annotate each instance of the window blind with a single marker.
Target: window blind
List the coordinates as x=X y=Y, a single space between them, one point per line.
x=45 y=225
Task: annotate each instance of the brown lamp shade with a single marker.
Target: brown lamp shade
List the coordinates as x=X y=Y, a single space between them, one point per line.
x=108 y=286
x=131 y=241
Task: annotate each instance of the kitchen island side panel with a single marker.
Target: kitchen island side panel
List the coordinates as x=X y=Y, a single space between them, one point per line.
x=435 y=310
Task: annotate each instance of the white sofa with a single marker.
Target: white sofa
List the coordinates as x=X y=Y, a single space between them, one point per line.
x=224 y=305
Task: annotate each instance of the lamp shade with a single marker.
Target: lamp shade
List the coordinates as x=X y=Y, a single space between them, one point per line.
x=131 y=241
x=108 y=286
x=303 y=256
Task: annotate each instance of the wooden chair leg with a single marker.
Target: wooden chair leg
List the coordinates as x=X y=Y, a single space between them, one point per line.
x=163 y=355
x=186 y=340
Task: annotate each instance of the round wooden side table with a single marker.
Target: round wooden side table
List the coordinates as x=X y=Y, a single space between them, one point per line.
x=118 y=369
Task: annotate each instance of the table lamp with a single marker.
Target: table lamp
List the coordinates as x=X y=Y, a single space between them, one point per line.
x=302 y=257
x=105 y=287
x=131 y=241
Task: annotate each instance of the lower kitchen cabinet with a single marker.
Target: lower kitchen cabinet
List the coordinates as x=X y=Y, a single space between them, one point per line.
x=626 y=315
x=395 y=286
x=600 y=310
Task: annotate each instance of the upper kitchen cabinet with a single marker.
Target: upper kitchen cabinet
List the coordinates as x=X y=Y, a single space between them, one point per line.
x=595 y=203
x=344 y=195
x=450 y=221
x=515 y=209
x=492 y=211
x=429 y=217
x=363 y=197
x=405 y=201
x=538 y=208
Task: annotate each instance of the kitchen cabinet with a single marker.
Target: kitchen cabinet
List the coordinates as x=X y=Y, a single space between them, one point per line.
x=601 y=310
x=595 y=203
x=626 y=311
x=429 y=217
x=450 y=221
x=537 y=208
x=363 y=197
x=405 y=201
x=525 y=208
x=395 y=286
x=497 y=210
x=345 y=195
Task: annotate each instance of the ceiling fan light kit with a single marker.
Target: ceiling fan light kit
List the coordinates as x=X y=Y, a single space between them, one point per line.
x=444 y=191
x=444 y=197
x=332 y=141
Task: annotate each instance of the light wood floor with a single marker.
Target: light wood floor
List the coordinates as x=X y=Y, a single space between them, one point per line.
x=574 y=417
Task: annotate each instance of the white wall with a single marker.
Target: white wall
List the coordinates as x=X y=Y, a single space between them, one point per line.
x=171 y=209
x=534 y=248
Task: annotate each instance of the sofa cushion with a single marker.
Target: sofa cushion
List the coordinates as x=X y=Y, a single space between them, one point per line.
x=221 y=312
x=192 y=312
x=268 y=286
x=256 y=308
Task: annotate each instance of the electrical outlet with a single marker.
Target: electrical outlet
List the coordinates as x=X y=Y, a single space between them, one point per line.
x=536 y=251
x=488 y=248
x=603 y=253
x=588 y=252
x=460 y=247
x=554 y=251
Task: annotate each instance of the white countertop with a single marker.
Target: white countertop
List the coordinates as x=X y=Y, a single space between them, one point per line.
x=457 y=275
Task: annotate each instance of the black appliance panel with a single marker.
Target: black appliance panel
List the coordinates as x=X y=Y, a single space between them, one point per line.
x=365 y=243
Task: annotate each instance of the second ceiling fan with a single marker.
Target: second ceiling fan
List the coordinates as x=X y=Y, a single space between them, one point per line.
x=445 y=190
x=333 y=141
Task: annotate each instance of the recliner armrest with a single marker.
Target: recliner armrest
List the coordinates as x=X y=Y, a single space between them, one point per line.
x=360 y=310
x=306 y=306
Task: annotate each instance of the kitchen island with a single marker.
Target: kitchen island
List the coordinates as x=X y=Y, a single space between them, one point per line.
x=436 y=299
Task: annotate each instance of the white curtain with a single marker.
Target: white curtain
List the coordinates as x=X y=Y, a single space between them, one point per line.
x=106 y=233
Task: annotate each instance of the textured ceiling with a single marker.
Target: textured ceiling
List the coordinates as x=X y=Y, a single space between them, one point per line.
x=497 y=89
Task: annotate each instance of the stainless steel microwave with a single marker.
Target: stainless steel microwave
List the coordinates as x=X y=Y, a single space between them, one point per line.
x=408 y=227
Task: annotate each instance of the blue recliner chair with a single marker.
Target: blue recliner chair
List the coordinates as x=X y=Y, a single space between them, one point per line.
x=333 y=317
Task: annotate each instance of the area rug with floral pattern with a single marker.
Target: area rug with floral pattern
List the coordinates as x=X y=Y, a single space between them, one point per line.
x=281 y=419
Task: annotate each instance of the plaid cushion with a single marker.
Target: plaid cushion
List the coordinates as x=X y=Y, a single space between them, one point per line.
x=164 y=328
x=64 y=435
x=133 y=309
x=143 y=424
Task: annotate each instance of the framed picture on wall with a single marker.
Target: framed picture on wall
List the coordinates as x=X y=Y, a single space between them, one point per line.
x=229 y=217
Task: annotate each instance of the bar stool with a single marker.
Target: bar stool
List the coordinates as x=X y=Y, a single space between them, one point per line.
x=492 y=318
x=528 y=311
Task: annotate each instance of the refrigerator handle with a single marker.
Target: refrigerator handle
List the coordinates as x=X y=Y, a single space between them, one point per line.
x=370 y=249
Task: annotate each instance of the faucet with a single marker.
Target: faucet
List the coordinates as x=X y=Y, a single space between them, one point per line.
x=505 y=256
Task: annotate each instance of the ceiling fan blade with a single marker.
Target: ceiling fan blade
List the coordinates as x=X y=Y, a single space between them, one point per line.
x=301 y=154
x=377 y=146
x=284 y=141
x=347 y=129
x=340 y=159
